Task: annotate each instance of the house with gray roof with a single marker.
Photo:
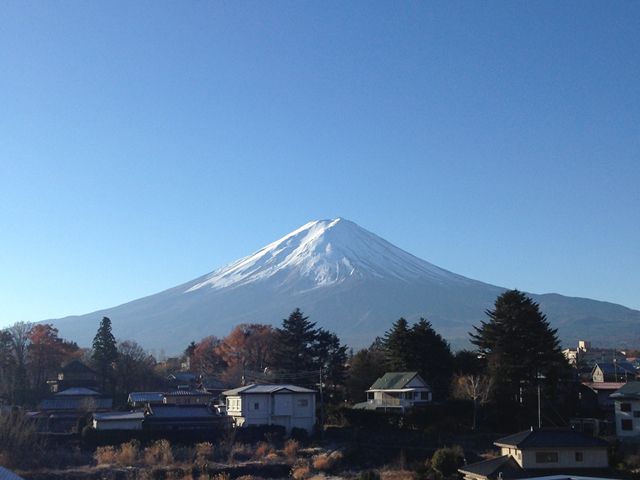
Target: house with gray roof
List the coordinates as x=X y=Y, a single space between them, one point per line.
x=397 y=392
x=290 y=406
x=627 y=411
x=531 y=453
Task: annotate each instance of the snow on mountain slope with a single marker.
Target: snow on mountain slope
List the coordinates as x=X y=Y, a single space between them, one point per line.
x=346 y=279
x=326 y=252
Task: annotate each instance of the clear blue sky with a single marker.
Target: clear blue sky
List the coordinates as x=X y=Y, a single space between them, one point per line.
x=145 y=143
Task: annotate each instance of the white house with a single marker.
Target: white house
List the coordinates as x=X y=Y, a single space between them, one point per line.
x=627 y=409
x=527 y=453
x=287 y=405
x=397 y=391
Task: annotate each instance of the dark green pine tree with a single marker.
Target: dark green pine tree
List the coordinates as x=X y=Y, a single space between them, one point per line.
x=397 y=347
x=431 y=356
x=295 y=350
x=104 y=351
x=519 y=346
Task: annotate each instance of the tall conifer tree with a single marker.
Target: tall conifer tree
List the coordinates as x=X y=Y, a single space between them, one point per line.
x=104 y=352
x=519 y=346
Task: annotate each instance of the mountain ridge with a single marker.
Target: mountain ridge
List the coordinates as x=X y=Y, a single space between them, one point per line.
x=347 y=279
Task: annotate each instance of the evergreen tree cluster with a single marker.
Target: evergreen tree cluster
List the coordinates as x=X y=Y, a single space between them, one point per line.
x=301 y=349
x=419 y=347
x=518 y=346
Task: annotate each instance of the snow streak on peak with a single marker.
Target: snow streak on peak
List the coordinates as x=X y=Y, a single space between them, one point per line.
x=323 y=253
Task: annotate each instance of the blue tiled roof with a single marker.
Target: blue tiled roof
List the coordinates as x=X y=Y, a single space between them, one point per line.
x=145 y=397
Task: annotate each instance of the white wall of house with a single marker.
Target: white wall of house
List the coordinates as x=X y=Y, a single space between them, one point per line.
x=559 y=457
x=288 y=409
x=627 y=418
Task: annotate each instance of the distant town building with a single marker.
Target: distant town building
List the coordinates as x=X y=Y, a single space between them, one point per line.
x=617 y=371
x=585 y=356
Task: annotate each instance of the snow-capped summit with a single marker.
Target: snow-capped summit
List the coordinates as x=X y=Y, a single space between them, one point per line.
x=349 y=281
x=323 y=253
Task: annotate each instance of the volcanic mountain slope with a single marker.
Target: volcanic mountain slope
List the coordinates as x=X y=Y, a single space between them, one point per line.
x=346 y=279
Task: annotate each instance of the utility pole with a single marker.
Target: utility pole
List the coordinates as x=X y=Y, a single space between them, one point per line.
x=539 y=409
x=321 y=404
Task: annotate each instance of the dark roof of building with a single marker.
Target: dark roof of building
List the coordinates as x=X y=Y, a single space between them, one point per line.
x=550 y=438
x=505 y=465
x=78 y=392
x=181 y=411
x=271 y=388
x=188 y=393
x=628 y=390
x=619 y=368
x=186 y=377
x=114 y=416
x=146 y=397
x=75 y=403
x=393 y=380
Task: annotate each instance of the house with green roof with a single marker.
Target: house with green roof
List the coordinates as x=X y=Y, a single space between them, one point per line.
x=396 y=392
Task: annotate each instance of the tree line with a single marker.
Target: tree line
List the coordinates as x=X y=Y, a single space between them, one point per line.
x=515 y=351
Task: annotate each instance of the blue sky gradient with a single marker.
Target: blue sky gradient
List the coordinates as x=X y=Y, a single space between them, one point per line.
x=145 y=143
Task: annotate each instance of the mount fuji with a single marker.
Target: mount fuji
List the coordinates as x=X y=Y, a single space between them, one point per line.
x=349 y=281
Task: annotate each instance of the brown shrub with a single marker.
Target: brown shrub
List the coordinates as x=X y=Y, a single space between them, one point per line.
x=128 y=453
x=262 y=450
x=158 y=453
x=221 y=476
x=20 y=444
x=300 y=472
x=204 y=452
x=105 y=455
x=272 y=457
x=327 y=461
x=291 y=448
x=240 y=453
x=397 y=475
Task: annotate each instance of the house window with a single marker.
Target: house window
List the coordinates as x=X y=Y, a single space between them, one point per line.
x=369 y=395
x=625 y=407
x=546 y=457
x=256 y=406
x=303 y=402
x=424 y=395
x=636 y=414
x=626 y=424
x=579 y=456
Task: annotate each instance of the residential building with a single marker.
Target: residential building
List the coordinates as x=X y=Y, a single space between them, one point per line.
x=140 y=399
x=182 y=418
x=627 y=411
x=397 y=391
x=78 y=399
x=118 y=421
x=531 y=452
x=587 y=356
x=621 y=371
x=187 y=396
x=287 y=405
x=74 y=374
